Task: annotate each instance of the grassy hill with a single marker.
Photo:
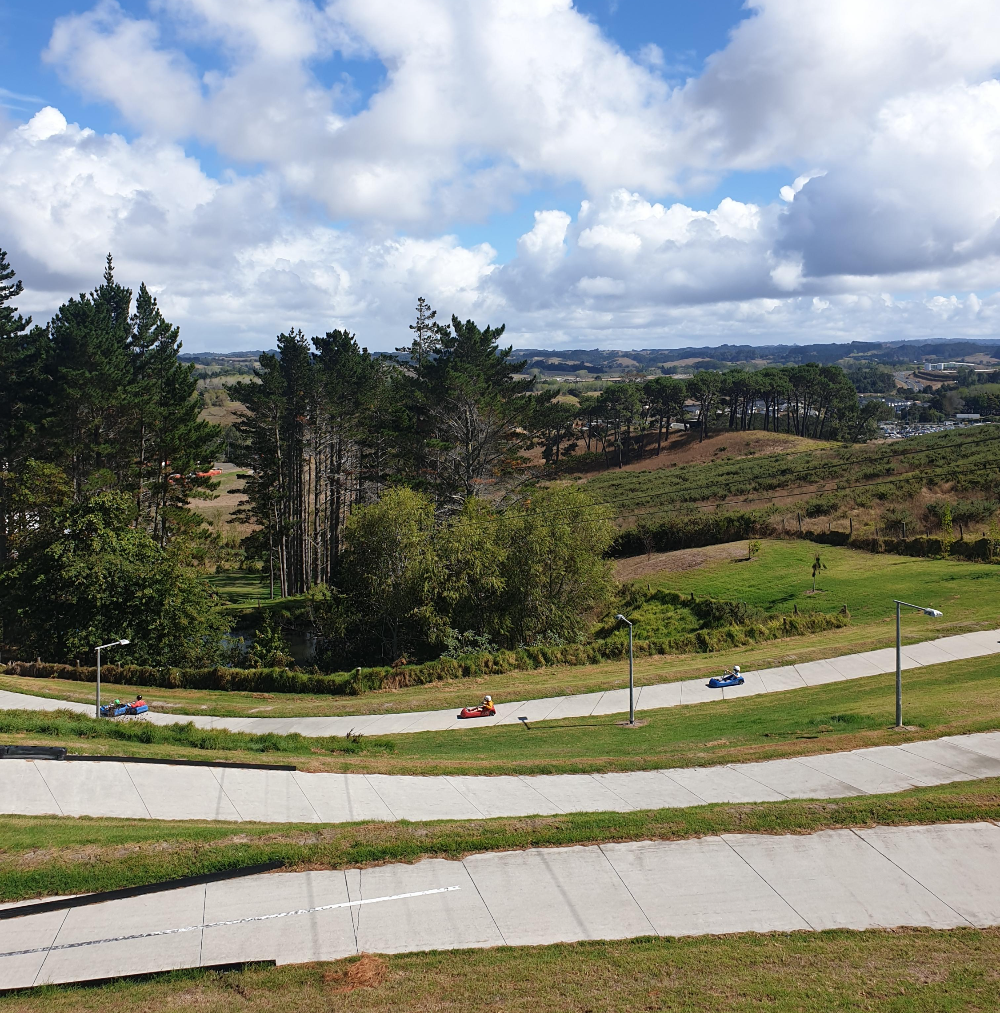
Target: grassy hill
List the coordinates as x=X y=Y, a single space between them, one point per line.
x=897 y=487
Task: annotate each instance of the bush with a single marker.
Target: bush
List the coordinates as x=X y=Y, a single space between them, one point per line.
x=964 y=511
x=691 y=531
x=823 y=506
x=922 y=545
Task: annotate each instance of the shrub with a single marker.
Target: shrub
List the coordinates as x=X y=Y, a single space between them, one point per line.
x=692 y=530
x=963 y=511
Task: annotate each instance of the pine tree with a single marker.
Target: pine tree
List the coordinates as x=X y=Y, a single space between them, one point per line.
x=123 y=409
x=173 y=447
x=91 y=397
x=477 y=411
x=11 y=322
x=428 y=335
x=22 y=360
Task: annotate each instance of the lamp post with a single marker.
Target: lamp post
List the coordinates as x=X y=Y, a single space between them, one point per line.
x=114 y=643
x=631 y=683
x=899 y=654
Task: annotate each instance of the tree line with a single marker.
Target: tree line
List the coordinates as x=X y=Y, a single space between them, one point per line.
x=629 y=420
x=328 y=426
x=96 y=400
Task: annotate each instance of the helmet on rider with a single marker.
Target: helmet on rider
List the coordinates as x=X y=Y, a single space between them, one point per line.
x=736 y=668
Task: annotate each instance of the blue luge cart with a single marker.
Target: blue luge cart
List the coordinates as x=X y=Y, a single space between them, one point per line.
x=725 y=681
x=124 y=710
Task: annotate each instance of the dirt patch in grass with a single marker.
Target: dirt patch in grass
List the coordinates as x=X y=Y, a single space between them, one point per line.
x=682 y=559
x=368 y=971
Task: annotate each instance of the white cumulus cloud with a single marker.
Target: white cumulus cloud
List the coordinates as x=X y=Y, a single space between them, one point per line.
x=338 y=208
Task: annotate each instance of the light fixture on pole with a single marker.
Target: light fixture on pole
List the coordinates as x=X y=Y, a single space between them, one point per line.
x=631 y=683
x=114 y=643
x=934 y=613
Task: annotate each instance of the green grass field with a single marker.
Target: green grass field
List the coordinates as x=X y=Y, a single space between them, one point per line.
x=86 y=855
x=902 y=971
x=238 y=587
x=961 y=696
x=780 y=578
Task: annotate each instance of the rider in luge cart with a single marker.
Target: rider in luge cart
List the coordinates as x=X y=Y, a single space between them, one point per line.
x=485 y=710
x=727 y=679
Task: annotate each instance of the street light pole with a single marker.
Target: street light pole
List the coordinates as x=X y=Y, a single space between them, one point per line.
x=631 y=681
x=116 y=643
x=899 y=653
x=899 y=672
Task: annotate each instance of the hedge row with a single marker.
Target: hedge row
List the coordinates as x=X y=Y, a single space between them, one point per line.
x=693 y=531
x=362 y=680
x=979 y=549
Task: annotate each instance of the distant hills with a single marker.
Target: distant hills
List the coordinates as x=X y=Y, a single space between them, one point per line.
x=603 y=361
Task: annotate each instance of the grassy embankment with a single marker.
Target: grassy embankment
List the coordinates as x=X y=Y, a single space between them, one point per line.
x=881 y=483
x=961 y=696
x=902 y=971
x=777 y=580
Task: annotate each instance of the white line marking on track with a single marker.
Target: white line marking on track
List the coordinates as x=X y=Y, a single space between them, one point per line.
x=233 y=921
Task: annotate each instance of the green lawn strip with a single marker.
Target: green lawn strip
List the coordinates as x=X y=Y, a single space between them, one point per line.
x=899 y=971
x=79 y=731
x=53 y=855
x=953 y=698
x=239 y=587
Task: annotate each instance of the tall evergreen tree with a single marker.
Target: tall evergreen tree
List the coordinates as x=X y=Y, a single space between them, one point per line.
x=428 y=335
x=91 y=390
x=318 y=434
x=260 y=426
x=122 y=412
x=22 y=360
x=173 y=448
x=477 y=410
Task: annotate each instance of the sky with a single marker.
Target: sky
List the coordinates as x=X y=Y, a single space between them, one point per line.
x=605 y=173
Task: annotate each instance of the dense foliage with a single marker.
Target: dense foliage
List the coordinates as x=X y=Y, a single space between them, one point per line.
x=101 y=449
x=328 y=427
x=469 y=665
x=411 y=585
x=99 y=578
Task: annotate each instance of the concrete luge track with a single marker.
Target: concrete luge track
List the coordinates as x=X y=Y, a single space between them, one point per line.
x=937 y=876
x=145 y=791
x=671 y=694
